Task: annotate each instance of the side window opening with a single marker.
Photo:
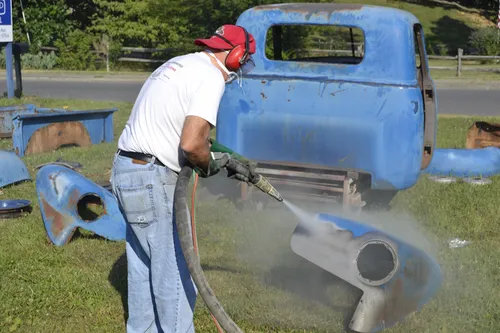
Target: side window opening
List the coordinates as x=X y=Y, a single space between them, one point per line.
x=331 y=44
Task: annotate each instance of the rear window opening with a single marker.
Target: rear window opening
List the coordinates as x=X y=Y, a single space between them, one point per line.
x=332 y=44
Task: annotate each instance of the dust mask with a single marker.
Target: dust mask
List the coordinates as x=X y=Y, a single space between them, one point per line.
x=231 y=75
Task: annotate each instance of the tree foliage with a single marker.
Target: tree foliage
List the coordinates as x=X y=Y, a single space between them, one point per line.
x=46 y=21
x=77 y=26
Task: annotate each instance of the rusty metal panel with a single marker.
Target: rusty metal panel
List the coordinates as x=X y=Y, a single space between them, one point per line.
x=483 y=134
x=6 y=115
x=48 y=129
x=68 y=201
x=12 y=169
x=396 y=278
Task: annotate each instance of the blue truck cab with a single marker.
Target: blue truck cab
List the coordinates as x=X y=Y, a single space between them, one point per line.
x=340 y=105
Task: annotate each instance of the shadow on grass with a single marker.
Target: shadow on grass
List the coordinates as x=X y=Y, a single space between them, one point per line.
x=84 y=235
x=451 y=33
x=118 y=279
x=313 y=284
x=487 y=9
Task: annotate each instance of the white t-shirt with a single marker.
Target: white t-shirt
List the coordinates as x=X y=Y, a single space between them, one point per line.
x=188 y=85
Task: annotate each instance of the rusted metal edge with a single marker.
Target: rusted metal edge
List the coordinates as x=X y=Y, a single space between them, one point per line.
x=310 y=8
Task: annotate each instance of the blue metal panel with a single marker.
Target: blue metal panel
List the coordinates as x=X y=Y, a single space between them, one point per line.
x=366 y=117
x=60 y=191
x=12 y=169
x=388 y=35
x=478 y=162
x=98 y=123
x=404 y=283
x=6 y=115
x=371 y=129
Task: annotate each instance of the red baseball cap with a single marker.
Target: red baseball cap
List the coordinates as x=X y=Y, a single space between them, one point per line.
x=232 y=33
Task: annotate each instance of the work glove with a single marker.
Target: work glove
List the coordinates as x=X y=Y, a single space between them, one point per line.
x=241 y=170
x=216 y=163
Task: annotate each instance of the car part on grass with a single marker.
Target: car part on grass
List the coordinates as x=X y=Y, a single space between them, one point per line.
x=462 y=163
x=49 y=129
x=443 y=179
x=7 y=114
x=14 y=208
x=66 y=198
x=482 y=134
x=396 y=278
x=477 y=180
x=12 y=169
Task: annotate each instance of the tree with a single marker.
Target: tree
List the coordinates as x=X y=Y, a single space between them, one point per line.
x=46 y=22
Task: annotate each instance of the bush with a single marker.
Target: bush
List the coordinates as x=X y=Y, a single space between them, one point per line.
x=39 y=61
x=486 y=41
x=76 y=52
x=34 y=61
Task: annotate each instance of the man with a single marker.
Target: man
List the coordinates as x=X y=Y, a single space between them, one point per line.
x=170 y=125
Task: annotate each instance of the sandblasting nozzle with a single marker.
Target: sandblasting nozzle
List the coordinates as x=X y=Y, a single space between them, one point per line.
x=263 y=184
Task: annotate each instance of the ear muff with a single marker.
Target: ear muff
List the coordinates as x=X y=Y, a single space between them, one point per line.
x=235 y=57
x=239 y=54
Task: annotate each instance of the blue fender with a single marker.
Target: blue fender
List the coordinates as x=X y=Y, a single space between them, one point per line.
x=12 y=169
x=396 y=278
x=478 y=162
x=62 y=195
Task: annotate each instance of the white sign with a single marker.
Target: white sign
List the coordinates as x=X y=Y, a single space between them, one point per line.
x=6 y=31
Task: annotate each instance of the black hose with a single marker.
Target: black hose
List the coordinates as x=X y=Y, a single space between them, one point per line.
x=184 y=230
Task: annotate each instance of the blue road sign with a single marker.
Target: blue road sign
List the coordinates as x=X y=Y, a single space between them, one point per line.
x=6 y=31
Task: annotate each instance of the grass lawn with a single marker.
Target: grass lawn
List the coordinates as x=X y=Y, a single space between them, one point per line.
x=265 y=287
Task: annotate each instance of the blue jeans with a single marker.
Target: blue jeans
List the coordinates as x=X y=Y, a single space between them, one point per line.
x=161 y=293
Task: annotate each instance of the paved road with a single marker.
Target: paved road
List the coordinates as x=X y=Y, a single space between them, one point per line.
x=463 y=100
x=469 y=101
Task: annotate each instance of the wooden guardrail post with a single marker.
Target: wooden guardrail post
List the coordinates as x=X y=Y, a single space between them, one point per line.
x=459 y=62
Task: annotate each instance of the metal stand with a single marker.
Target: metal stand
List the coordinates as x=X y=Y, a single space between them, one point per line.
x=13 y=52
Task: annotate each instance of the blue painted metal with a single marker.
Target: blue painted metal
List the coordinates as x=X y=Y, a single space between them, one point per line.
x=6 y=38
x=480 y=162
x=336 y=244
x=10 y=209
x=98 y=124
x=9 y=64
x=13 y=204
x=6 y=115
x=60 y=190
x=12 y=169
x=367 y=118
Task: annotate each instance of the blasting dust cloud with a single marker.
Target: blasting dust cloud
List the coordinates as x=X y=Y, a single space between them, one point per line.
x=399 y=225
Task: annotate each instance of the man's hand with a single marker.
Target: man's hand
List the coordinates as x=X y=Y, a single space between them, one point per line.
x=242 y=171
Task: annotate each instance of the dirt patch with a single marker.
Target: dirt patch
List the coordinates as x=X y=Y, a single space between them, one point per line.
x=477 y=19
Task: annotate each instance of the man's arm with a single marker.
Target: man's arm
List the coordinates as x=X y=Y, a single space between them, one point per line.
x=201 y=116
x=194 y=141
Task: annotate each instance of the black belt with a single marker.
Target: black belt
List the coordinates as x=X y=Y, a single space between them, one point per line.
x=141 y=157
